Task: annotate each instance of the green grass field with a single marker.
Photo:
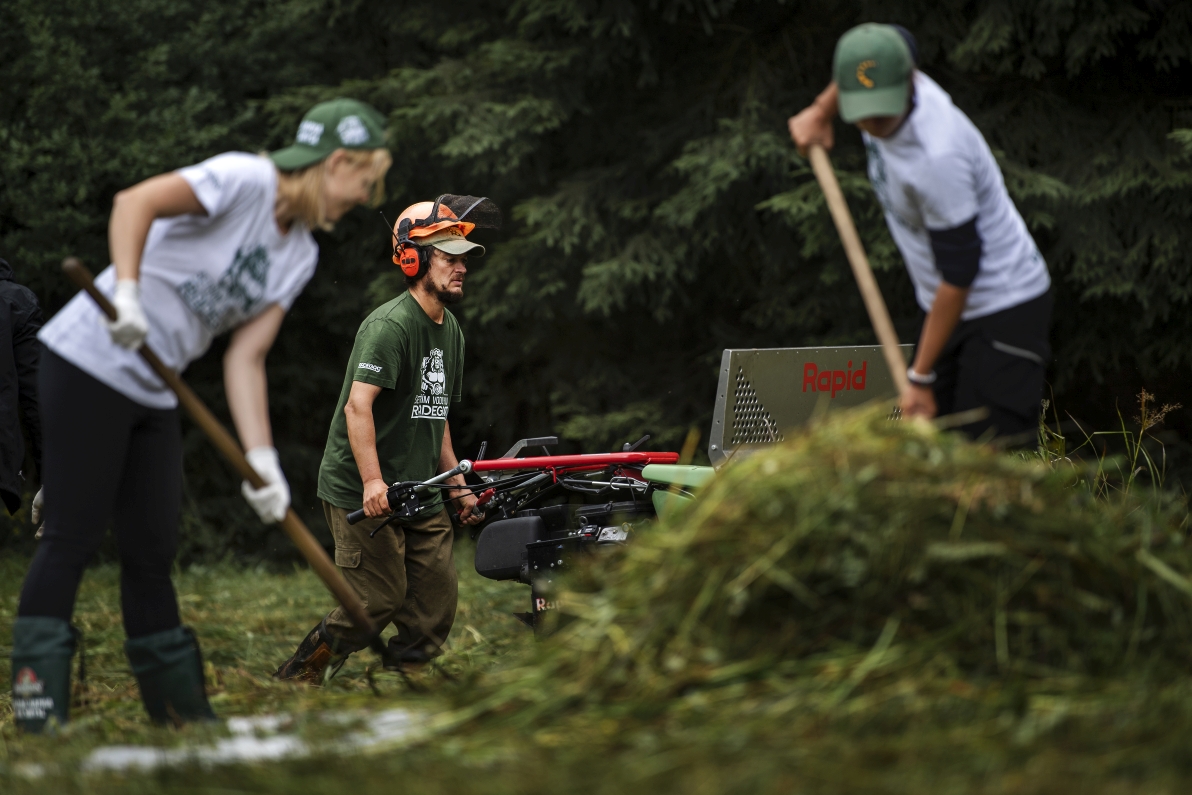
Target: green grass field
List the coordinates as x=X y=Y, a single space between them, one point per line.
x=933 y=734
x=871 y=608
x=248 y=621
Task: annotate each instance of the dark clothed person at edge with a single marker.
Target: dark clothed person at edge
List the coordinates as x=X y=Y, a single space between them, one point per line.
x=20 y=320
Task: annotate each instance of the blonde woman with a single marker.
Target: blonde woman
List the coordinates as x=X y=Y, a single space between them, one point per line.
x=224 y=245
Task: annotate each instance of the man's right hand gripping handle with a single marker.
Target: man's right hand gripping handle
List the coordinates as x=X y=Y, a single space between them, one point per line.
x=376 y=501
x=813 y=124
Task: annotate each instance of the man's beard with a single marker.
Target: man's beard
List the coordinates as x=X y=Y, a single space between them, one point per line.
x=447 y=297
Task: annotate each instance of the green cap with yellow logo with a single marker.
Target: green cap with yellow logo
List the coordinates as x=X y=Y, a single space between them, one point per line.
x=338 y=124
x=873 y=67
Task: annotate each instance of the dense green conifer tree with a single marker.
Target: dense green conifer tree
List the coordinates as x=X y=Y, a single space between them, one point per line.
x=656 y=211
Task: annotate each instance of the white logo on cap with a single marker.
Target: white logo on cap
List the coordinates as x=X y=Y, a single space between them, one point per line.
x=352 y=131
x=310 y=132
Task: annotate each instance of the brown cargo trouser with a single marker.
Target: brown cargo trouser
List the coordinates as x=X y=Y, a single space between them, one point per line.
x=405 y=575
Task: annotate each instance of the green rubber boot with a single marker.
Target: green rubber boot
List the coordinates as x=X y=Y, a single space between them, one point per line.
x=41 y=651
x=169 y=668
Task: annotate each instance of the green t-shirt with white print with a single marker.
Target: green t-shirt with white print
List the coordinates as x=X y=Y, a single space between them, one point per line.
x=419 y=366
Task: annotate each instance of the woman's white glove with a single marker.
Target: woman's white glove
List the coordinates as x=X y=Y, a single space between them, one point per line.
x=271 y=501
x=130 y=327
x=38 y=510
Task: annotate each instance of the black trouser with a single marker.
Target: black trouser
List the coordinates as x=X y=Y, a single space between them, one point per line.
x=998 y=362
x=106 y=458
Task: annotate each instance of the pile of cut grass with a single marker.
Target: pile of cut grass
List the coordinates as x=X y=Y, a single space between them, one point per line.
x=866 y=550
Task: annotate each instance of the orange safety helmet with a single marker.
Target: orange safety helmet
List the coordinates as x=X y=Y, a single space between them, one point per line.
x=420 y=221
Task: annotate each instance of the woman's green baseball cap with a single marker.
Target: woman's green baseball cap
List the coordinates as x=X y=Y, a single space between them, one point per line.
x=873 y=68
x=339 y=124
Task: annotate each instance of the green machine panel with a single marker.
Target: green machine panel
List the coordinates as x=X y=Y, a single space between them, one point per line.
x=765 y=392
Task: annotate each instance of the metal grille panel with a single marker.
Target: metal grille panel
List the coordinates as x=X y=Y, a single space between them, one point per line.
x=781 y=379
x=752 y=424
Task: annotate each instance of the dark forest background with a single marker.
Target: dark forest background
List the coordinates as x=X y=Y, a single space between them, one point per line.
x=656 y=211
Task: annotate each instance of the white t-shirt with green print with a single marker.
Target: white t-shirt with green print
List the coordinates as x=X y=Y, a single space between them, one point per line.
x=200 y=276
x=936 y=173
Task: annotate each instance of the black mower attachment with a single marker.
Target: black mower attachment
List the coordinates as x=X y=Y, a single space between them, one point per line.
x=543 y=510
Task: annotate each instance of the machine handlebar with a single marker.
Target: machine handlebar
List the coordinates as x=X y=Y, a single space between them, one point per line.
x=399 y=493
x=396 y=491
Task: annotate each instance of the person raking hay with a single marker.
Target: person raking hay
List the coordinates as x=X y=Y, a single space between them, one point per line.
x=221 y=246
x=978 y=276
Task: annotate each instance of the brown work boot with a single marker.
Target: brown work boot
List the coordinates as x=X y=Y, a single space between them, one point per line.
x=310 y=661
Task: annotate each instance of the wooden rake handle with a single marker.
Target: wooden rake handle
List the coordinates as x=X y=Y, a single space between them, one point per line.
x=879 y=316
x=314 y=553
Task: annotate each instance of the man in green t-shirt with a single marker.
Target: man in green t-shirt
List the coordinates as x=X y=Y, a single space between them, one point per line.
x=391 y=425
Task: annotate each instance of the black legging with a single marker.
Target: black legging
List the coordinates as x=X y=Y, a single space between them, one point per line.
x=106 y=457
x=998 y=362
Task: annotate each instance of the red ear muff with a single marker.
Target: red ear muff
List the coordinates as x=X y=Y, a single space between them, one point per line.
x=409 y=258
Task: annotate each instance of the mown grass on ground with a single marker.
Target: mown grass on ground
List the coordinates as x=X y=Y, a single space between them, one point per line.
x=870 y=608
x=248 y=621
